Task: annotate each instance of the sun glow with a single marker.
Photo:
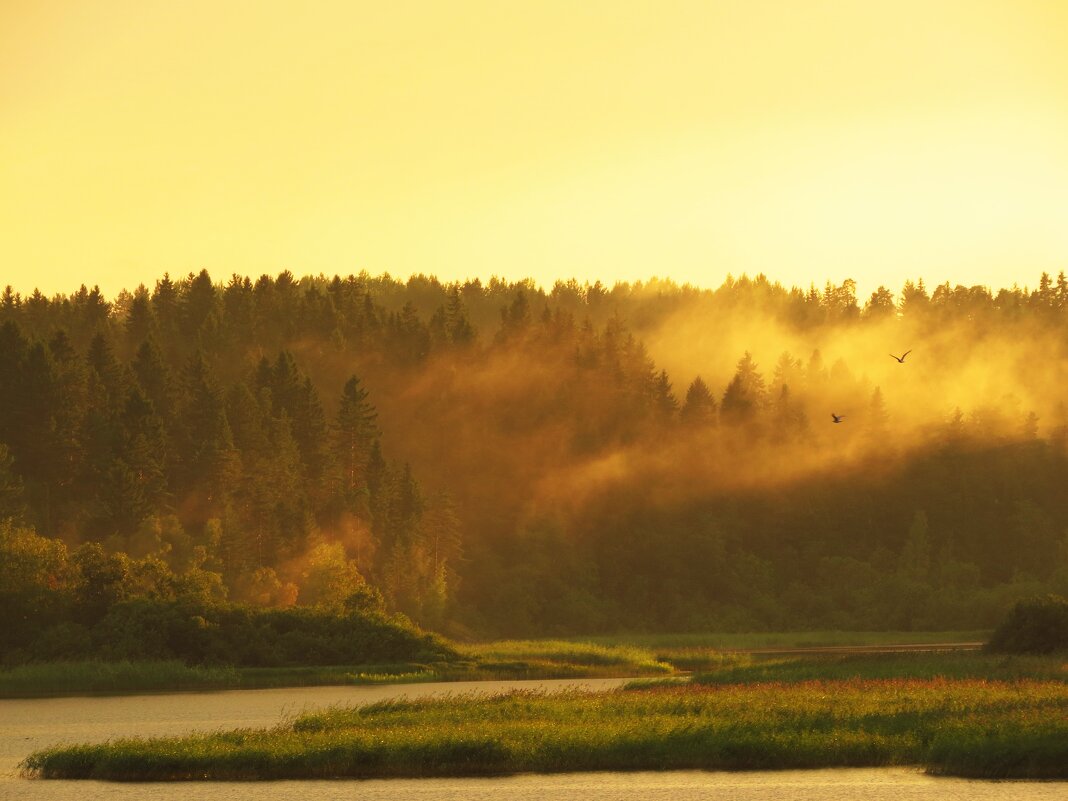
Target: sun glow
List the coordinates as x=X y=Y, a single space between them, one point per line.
x=603 y=140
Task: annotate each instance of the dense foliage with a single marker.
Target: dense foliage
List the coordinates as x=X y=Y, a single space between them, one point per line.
x=499 y=458
x=88 y=604
x=1035 y=625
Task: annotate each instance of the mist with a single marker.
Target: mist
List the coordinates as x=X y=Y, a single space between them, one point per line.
x=585 y=458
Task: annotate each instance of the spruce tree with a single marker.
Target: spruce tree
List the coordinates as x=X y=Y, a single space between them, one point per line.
x=699 y=408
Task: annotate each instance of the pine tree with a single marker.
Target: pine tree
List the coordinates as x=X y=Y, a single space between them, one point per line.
x=154 y=378
x=664 y=403
x=203 y=444
x=745 y=395
x=355 y=432
x=197 y=303
x=144 y=447
x=140 y=321
x=165 y=304
x=457 y=325
x=699 y=408
x=789 y=418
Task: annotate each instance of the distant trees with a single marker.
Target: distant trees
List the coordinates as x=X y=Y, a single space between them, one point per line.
x=745 y=395
x=504 y=459
x=699 y=407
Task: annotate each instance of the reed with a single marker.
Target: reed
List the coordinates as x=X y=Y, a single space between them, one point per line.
x=748 y=669
x=968 y=727
x=587 y=657
x=726 y=641
x=122 y=678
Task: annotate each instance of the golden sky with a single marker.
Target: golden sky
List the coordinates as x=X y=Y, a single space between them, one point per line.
x=606 y=140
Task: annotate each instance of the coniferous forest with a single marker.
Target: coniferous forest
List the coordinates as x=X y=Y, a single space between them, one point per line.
x=501 y=459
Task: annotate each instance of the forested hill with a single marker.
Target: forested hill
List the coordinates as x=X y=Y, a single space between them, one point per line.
x=503 y=459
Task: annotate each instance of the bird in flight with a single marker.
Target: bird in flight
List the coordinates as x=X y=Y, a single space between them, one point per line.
x=838 y=418
x=901 y=358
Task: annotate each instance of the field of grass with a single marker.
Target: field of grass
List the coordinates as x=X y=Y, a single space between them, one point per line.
x=754 y=669
x=564 y=656
x=546 y=659
x=623 y=656
x=962 y=726
x=706 y=651
x=120 y=678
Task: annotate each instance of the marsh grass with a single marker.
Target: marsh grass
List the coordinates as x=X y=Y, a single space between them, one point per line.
x=583 y=658
x=749 y=669
x=969 y=727
x=547 y=659
x=120 y=678
x=708 y=651
x=73 y=678
x=508 y=659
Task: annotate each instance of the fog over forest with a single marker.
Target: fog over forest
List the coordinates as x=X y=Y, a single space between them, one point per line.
x=506 y=459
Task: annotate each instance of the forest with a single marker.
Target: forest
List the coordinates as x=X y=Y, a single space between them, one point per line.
x=502 y=459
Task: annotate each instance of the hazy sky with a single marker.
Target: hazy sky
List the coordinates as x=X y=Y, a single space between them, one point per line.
x=605 y=140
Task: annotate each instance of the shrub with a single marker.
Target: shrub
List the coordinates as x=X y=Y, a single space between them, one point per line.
x=1036 y=625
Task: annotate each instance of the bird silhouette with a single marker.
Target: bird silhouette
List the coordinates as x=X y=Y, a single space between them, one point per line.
x=838 y=418
x=901 y=358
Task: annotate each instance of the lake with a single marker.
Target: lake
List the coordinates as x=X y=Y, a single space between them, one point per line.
x=27 y=725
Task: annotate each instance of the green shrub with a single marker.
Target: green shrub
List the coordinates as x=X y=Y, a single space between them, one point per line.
x=1036 y=625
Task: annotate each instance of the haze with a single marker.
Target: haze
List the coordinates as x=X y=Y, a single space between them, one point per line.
x=603 y=140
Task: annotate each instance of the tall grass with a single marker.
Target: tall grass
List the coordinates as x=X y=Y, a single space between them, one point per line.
x=708 y=651
x=964 y=727
x=70 y=678
x=119 y=678
x=589 y=657
x=749 y=669
x=508 y=659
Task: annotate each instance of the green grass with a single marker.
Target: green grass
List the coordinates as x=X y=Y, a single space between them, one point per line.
x=967 y=727
x=752 y=669
x=120 y=678
x=543 y=659
x=622 y=656
x=706 y=651
x=123 y=678
x=73 y=678
x=574 y=658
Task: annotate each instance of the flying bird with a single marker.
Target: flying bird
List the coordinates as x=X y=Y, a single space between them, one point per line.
x=838 y=418
x=901 y=358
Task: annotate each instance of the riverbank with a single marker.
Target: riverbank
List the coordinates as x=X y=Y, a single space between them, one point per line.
x=601 y=657
x=975 y=727
x=509 y=660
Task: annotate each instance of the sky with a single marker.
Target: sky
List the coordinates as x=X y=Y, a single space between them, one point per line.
x=809 y=141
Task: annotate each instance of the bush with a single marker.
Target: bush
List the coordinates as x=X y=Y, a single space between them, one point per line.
x=1036 y=625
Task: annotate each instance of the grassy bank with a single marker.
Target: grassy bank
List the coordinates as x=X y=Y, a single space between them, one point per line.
x=703 y=651
x=121 y=678
x=753 y=669
x=967 y=727
x=565 y=658
x=502 y=660
x=624 y=656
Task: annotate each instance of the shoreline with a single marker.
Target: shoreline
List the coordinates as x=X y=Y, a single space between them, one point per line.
x=973 y=728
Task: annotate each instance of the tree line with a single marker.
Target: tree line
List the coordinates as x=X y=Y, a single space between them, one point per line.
x=503 y=459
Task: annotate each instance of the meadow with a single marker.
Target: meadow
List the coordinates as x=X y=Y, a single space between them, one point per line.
x=547 y=659
x=591 y=657
x=953 y=720
x=698 y=651
x=129 y=678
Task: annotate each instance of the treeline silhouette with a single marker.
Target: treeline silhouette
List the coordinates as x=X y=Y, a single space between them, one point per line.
x=501 y=459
